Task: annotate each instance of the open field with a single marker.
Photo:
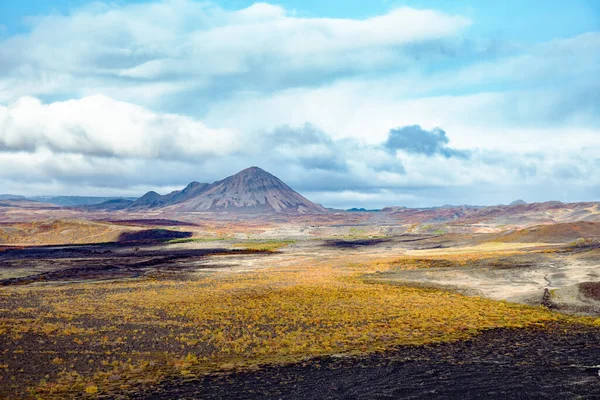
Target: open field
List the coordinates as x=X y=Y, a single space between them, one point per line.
x=165 y=305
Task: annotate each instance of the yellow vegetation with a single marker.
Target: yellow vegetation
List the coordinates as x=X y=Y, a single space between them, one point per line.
x=265 y=245
x=59 y=232
x=92 y=389
x=124 y=334
x=489 y=247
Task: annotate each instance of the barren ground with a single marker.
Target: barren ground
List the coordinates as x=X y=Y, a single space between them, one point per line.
x=339 y=308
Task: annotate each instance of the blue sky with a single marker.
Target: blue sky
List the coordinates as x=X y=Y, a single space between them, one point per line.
x=509 y=19
x=354 y=103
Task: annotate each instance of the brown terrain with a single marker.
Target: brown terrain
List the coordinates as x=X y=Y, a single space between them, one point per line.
x=245 y=289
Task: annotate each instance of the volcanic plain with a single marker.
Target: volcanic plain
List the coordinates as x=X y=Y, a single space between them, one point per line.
x=471 y=302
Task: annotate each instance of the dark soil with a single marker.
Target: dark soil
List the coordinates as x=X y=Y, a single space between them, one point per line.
x=99 y=262
x=152 y=236
x=149 y=222
x=517 y=261
x=561 y=362
x=590 y=290
x=352 y=244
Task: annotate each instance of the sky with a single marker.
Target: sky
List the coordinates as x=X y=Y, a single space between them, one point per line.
x=353 y=103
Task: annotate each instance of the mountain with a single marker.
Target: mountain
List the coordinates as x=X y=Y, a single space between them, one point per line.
x=248 y=191
x=252 y=190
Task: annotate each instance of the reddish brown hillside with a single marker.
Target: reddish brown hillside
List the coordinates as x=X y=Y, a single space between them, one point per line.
x=555 y=233
x=59 y=232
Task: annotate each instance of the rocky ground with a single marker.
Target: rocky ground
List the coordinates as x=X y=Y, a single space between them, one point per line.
x=544 y=363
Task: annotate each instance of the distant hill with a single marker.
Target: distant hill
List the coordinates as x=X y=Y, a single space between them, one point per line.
x=111 y=205
x=146 y=200
x=554 y=233
x=518 y=215
x=252 y=190
x=11 y=197
x=74 y=201
x=518 y=203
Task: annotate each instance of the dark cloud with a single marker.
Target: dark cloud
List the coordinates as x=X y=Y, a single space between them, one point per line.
x=309 y=147
x=414 y=139
x=307 y=134
x=568 y=171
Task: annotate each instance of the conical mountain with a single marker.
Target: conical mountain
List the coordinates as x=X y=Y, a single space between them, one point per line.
x=251 y=190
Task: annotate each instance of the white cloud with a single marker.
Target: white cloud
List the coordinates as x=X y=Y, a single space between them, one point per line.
x=104 y=46
x=101 y=126
x=527 y=120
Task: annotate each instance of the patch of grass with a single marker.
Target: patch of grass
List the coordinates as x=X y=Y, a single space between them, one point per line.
x=196 y=240
x=476 y=251
x=265 y=245
x=357 y=232
x=362 y=237
x=584 y=243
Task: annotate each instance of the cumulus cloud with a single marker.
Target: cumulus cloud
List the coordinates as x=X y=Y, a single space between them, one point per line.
x=414 y=139
x=100 y=142
x=101 y=126
x=262 y=47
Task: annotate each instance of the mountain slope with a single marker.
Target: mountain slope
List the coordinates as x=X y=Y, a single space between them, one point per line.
x=251 y=190
x=179 y=196
x=146 y=200
x=155 y=200
x=110 y=205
